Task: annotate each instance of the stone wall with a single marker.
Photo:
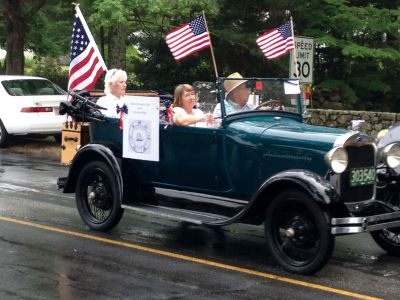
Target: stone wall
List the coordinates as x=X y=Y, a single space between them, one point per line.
x=374 y=121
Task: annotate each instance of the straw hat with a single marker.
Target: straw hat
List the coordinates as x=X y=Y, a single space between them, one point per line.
x=230 y=85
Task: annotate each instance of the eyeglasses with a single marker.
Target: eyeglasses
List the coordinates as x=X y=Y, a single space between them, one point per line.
x=190 y=94
x=114 y=71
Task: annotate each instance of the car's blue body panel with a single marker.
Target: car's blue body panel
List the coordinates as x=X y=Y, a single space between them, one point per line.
x=234 y=160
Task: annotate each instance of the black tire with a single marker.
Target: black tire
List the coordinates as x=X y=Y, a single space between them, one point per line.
x=97 y=197
x=388 y=240
x=297 y=233
x=3 y=135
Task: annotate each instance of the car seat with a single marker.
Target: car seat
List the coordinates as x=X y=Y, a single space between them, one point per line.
x=15 y=91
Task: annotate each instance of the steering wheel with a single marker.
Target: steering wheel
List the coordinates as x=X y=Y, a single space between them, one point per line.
x=273 y=105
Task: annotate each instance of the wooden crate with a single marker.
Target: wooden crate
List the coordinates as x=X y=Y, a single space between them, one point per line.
x=74 y=135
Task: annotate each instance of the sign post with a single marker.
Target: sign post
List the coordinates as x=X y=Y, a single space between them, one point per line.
x=302 y=64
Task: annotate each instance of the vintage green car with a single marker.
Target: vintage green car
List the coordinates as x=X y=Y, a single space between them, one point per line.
x=306 y=184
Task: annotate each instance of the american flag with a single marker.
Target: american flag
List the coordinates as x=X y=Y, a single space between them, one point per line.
x=276 y=42
x=86 y=63
x=189 y=38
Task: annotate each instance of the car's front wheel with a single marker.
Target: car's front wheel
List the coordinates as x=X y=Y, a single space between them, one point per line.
x=97 y=196
x=388 y=240
x=297 y=233
x=3 y=135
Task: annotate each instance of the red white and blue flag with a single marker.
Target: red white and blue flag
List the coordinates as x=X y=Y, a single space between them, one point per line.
x=86 y=63
x=189 y=38
x=276 y=42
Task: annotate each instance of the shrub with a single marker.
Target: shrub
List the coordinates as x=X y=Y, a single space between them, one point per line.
x=51 y=69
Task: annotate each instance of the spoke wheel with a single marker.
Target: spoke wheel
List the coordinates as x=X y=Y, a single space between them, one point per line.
x=297 y=233
x=97 y=197
x=388 y=240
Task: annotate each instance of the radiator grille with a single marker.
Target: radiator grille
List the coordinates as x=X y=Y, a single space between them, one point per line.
x=359 y=157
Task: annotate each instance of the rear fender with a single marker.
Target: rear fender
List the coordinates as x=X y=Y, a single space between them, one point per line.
x=88 y=153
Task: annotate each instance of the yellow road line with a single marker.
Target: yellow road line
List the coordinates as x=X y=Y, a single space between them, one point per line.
x=192 y=259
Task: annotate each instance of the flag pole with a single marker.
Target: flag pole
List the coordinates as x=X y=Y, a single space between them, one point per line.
x=295 y=51
x=211 y=47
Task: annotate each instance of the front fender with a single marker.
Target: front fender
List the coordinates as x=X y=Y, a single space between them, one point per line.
x=316 y=186
x=88 y=153
x=311 y=183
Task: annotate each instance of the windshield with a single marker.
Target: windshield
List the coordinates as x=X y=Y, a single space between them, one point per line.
x=246 y=94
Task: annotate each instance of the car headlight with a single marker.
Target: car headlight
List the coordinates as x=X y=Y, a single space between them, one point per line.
x=381 y=134
x=391 y=155
x=337 y=159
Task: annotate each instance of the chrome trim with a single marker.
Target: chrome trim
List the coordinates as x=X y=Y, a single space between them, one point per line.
x=351 y=138
x=162 y=214
x=342 y=139
x=365 y=224
x=168 y=191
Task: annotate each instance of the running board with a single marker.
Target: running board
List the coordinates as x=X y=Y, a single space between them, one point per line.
x=198 y=218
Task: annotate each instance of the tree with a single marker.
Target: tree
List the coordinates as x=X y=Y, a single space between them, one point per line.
x=111 y=15
x=145 y=24
x=359 y=44
x=16 y=15
x=358 y=41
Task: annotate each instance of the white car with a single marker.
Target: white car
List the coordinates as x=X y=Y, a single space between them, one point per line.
x=29 y=105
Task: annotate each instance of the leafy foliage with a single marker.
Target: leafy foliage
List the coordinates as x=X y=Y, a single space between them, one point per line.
x=357 y=51
x=51 y=68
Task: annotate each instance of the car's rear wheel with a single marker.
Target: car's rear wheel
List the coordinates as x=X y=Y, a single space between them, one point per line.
x=97 y=196
x=3 y=135
x=388 y=240
x=297 y=233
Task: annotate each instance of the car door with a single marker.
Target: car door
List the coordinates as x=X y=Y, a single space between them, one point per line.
x=191 y=158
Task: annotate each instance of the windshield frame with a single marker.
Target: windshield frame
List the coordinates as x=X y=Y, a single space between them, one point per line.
x=221 y=96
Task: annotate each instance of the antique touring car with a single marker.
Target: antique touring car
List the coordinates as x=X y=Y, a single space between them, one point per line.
x=306 y=184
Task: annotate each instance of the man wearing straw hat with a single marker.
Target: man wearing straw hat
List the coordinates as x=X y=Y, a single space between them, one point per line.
x=237 y=96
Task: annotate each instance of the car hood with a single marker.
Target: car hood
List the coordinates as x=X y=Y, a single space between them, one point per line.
x=283 y=143
x=285 y=129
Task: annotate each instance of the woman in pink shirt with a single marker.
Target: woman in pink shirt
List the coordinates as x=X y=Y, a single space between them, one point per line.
x=185 y=112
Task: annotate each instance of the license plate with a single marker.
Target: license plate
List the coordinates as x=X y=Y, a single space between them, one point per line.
x=362 y=176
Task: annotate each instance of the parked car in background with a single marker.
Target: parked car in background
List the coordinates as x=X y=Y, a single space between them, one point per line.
x=29 y=105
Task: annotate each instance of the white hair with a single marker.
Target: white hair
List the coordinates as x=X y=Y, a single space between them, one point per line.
x=113 y=76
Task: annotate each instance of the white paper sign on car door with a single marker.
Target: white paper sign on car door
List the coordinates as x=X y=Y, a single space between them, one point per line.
x=141 y=128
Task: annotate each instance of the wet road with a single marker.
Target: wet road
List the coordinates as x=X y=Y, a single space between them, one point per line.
x=47 y=253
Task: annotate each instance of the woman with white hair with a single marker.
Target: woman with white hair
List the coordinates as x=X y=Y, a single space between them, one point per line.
x=114 y=88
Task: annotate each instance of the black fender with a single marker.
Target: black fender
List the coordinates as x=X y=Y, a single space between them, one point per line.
x=313 y=184
x=92 y=152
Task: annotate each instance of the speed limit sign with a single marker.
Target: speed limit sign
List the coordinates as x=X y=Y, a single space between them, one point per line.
x=302 y=66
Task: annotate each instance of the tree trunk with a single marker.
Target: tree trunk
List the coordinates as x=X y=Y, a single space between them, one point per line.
x=117 y=47
x=17 y=14
x=15 y=49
